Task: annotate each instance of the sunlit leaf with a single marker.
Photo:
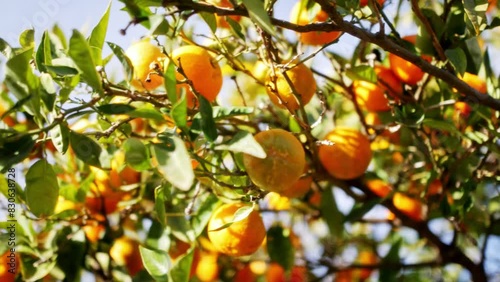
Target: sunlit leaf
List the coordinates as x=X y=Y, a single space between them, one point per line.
x=175 y=164
x=157 y=263
x=243 y=142
x=97 y=37
x=136 y=154
x=259 y=15
x=42 y=189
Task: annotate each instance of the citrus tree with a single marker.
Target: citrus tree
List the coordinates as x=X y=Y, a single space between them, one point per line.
x=241 y=146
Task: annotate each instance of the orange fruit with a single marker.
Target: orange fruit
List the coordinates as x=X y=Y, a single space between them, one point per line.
x=372 y=119
x=145 y=57
x=122 y=174
x=474 y=81
x=221 y=20
x=301 y=17
x=379 y=187
x=299 y=188
x=9 y=263
x=370 y=96
x=241 y=238
x=282 y=95
x=125 y=252
x=411 y=207
x=363 y=3
x=404 y=70
x=207 y=269
x=283 y=164
x=201 y=69
x=276 y=273
x=245 y=274
x=492 y=4
x=349 y=155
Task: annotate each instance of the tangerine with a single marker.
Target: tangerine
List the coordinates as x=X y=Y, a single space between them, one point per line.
x=301 y=17
x=404 y=70
x=242 y=237
x=349 y=154
x=145 y=58
x=283 y=164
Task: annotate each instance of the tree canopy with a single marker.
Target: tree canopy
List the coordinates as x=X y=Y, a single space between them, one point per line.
x=349 y=141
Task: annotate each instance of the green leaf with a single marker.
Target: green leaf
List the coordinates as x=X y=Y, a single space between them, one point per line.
x=136 y=154
x=442 y=125
x=35 y=268
x=79 y=51
x=27 y=38
x=158 y=25
x=207 y=121
x=63 y=67
x=71 y=252
x=59 y=34
x=98 y=35
x=170 y=81
x=243 y=142
x=279 y=246
x=175 y=164
x=457 y=58
x=14 y=151
x=157 y=263
x=360 y=209
x=147 y=112
x=182 y=268
x=331 y=213
x=476 y=15
x=179 y=112
x=409 y=114
x=115 y=109
x=48 y=93
x=86 y=149
x=203 y=214
x=362 y=72
x=209 y=18
x=5 y=49
x=225 y=112
x=42 y=189
x=124 y=60
x=160 y=206
x=43 y=53
x=392 y=257
x=236 y=28
x=239 y=215
x=259 y=15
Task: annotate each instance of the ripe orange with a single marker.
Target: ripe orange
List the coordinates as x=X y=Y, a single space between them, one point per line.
x=103 y=197
x=411 y=207
x=241 y=238
x=301 y=17
x=282 y=95
x=370 y=96
x=276 y=273
x=207 y=269
x=125 y=252
x=363 y=3
x=283 y=165
x=349 y=155
x=475 y=82
x=9 y=263
x=379 y=187
x=372 y=119
x=221 y=20
x=145 y=57
x=492 y=4
x=404 y=70
x=201 y=69
x=299 y=188
x=245 y=274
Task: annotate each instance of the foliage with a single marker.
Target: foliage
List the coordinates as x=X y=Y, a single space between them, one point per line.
x=105 y=162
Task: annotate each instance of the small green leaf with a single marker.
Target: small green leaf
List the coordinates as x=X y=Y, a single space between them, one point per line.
x=158 y=25
x=239 y=215
x=136 y=154
x=5 y=49
x=179 y=112
x=387 y=273
x=48 y=93
x=207 y=121
x=115 y=109
x=124 y=60
x=14 y=151
x=331 y=213
x=157 y=263
x=181 y=269
x=175 y=164
x=243 y=142
x=147 y=112
x=86 y=149
x=27 y=38
x=225 y=112
x=160 y=206
x=42 y=189
x=236 y=28
x=279 y=246
x=457 y=58
x=79 y=51
x=43 y=53
x=476 y=15
x=409 y=114
x=63 y=67
x=362 y=72
x=35 y=268
x=259 y=15
x=170 y=81
x=442 y=125
x=209 y=18
x=98 y=35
